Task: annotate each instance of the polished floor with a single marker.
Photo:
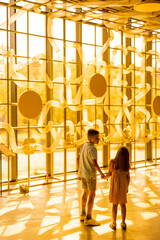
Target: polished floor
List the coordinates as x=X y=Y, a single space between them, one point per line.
x=52 y=211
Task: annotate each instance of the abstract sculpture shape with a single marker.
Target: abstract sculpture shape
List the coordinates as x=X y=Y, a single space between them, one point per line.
x=29 y=146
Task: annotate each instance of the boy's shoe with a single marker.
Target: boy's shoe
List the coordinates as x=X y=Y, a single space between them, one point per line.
x=82 y=217
x=113 y=226
x=123 y=226
x=91 y=222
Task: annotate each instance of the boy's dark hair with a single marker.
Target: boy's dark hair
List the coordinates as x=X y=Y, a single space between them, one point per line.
x=92 y=132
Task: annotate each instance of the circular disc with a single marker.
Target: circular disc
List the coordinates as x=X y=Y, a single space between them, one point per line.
x=147 y=7
x=30 y=104
x=98 y=85
x=156 y=105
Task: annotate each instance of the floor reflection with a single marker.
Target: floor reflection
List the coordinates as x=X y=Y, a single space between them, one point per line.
x=52 y=211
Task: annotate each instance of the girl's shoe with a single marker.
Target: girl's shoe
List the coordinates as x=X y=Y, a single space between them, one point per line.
x=113 y=226
x=123 y=226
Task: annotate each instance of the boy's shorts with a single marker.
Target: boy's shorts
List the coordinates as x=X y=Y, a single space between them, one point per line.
x=89 y=184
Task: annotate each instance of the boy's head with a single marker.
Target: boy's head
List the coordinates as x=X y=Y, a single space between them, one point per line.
x=93 y=136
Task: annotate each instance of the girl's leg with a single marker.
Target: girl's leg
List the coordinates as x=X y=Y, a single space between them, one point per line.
x=123 y=212
x=114 y=213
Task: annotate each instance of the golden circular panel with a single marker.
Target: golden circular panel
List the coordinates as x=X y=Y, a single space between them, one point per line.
x=147 y=7
x=156 y=105
x=98 y=85
x=30 y=104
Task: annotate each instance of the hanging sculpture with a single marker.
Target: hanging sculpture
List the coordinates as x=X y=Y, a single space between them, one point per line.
x=99 y=79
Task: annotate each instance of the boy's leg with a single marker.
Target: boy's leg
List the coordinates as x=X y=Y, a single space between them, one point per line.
x=123 y=212
x=114 y=213
x=91 y=198
x=92 y=193
x=84 y=200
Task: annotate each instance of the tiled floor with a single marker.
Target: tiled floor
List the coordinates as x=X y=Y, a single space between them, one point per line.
x=52 y=211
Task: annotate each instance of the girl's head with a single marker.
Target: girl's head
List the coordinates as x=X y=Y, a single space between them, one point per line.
x=122 y=159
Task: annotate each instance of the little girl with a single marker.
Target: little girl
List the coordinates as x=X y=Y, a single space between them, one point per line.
x=119 y=172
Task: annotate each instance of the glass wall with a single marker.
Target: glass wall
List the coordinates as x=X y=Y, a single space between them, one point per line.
x=56 y=58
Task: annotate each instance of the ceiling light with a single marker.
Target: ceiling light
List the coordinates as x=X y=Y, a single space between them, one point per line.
x=147 y=6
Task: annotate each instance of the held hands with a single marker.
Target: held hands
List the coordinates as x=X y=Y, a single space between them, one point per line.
x=78 y=178
x=102 y=175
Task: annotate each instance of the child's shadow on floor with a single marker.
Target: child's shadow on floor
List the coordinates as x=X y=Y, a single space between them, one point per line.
x=89 y=233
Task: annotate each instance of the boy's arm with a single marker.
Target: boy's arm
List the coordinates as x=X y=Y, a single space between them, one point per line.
x=77 y=161
x=98 y=168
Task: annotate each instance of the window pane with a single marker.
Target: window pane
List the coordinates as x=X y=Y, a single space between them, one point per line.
x=21 y=45
x=71 y=160
x=36 y=46
x=58 y=161
x=70 y=30
x=58 y=28
x=3 y=38
x=36 y=24
x=3 y=22
x=21 y=23
x=88 y=38
x=38 y=164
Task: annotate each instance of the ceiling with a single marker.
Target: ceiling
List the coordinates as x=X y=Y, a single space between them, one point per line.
x=117 y=15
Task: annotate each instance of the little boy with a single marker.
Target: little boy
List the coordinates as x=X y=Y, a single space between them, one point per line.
x=87 y=168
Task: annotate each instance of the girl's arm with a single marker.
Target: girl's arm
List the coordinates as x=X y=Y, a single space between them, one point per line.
x=108 y=175
x=111 y=168
x=128 y=177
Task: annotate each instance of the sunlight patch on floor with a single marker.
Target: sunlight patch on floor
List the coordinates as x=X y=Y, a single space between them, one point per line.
x=14 y=229
x=100 y=217
x=149 y=215
x=154 y=201
x=72 y=224
x=73 y=236
x=142 y=205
